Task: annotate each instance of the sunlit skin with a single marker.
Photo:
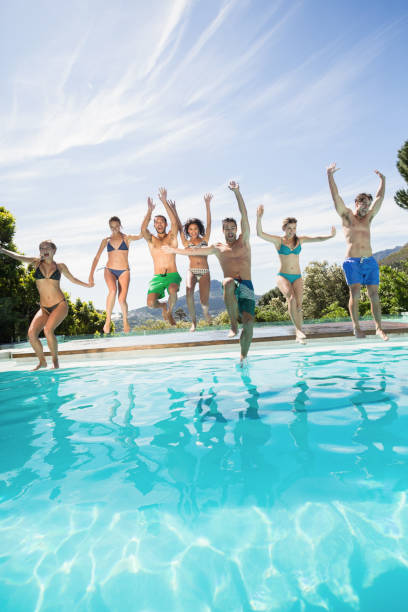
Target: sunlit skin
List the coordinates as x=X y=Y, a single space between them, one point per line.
x=117 y=260
x=50 y=294
x=235 y=259
x=200 y=262
x=163 y=263
x=356 y=226
x=289 y=264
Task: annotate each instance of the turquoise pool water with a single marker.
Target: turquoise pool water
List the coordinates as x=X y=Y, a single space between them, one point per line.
x=191 y=486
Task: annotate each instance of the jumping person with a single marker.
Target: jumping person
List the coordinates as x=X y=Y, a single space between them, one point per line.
x=360 y=267
x=290 y=280
x=117 y=273
x=166 y=276
x=53 y=306
x=235 y=259
x=194 y=235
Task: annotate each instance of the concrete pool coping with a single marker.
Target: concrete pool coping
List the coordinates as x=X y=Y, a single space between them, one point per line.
x=204 y=344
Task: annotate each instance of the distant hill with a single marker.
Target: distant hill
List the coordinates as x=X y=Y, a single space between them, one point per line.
x=216 y=305
x=380 y=255
x=395 y=256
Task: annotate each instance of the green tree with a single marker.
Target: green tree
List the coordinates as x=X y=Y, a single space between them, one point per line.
x=401 y=196
x=324 y=284
x=180 y=315
x=334 y=311
x=275 y=310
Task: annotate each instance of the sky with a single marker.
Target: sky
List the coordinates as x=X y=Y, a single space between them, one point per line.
x=104 y=102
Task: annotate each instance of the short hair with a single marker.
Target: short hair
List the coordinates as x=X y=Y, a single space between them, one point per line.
x=50 y=242
x=361 y=196
x=162 y=216
x=197 y=222
x=288 y=220
x=229 y=220
x=115 y=220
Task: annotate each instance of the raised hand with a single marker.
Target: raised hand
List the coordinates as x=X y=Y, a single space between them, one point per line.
x=378 y=173
x=172 y=204
x=208 y=197
x=332 y=168
x=233 y=185
x=150 y=205
x=260 y=210
x=163 y=194
x=333 y=231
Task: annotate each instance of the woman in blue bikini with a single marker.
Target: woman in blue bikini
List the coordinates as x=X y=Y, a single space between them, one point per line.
x=117 y=273
x=289 y=279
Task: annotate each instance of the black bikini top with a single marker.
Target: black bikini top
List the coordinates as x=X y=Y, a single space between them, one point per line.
x=56 y=275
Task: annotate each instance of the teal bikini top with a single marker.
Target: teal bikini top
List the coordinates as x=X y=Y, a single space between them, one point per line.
x=285 y=250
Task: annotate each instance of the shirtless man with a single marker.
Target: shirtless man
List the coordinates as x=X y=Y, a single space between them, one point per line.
x=235 y=260
x=360 y=267
x=165 y=276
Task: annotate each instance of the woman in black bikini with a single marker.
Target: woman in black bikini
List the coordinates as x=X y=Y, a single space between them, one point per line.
x=117 y=273
x=53 y=307
x=193 y=235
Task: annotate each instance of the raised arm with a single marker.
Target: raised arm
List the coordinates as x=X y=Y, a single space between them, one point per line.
x=174 y=228
x=341 y=208
x=64 y=270
x=102 y=246
x=19 y=257
x=210 y=250
x=259 y=231
x=245 y=230
x=172 y=205
x=379 y=196
x=207 y=199
x=303 y=239
x=145 y=232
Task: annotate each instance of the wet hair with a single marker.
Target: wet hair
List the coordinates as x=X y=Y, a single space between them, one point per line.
x=201 y=229
x=229 y=220
x=286 y=222
x=162 y=217
x=115 y=220
x=361 y=196
x=50 y=242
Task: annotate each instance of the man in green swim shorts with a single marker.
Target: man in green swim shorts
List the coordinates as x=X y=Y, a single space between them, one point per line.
x=166 y=276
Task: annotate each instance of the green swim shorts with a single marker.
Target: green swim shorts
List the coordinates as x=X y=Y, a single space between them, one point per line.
x=160 y=282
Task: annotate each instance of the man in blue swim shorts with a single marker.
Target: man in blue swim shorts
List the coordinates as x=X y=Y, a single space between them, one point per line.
x=360 y=267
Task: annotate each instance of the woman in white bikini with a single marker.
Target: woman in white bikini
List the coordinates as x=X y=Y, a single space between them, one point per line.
x=117 y=273
x=53 y=306
x=193 y=235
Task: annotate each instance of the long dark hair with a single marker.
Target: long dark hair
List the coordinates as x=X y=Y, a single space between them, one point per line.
x=200 y=225
x=286 y=222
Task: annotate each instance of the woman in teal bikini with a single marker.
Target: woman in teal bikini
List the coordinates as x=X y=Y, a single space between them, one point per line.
x=117 y=273
x=53 y=306
x=289 y=279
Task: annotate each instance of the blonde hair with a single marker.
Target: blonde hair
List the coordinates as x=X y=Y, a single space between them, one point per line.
x=50 y=242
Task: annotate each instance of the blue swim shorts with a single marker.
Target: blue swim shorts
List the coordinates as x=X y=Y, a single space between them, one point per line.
x=362 y=270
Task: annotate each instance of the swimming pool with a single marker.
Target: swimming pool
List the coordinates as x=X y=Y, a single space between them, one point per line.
x=190 y=485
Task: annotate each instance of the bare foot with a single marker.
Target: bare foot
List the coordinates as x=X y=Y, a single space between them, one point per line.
x=170 y=318
x=300 y=334
x=55 y=364
x=42 y=364
x=106 y=328
x=381 y=333
x=358 y=332
x=232 y=332
x=126 y=327
x=193 y=326
x=300 y=339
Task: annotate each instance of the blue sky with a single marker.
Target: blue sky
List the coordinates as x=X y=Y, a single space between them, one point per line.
x=104 y=102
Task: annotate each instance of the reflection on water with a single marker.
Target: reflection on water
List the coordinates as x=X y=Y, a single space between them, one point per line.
x=226 y=489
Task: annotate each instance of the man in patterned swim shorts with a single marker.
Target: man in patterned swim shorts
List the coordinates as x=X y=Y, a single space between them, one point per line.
x=360 y=267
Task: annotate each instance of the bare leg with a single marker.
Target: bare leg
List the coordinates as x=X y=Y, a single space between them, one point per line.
x=123 y=282
x=55 y=318
x=353 y=309
x=246 y=334
x=231 y=305
x=172 y=289
x=372 y=291
x=36 y=326
x=298 y=291
x=287 y=289
x=204 y=284
x=191 y=283
x=110 y=280
x=153 y=302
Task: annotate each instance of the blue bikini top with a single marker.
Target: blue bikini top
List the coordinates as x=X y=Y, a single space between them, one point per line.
x=121 y=247
x=285 y=250
x=38 y=275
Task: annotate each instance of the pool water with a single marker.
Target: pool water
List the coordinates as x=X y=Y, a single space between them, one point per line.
x=195 y=486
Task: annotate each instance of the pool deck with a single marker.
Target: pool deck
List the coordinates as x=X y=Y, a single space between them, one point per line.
x=120 y=347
